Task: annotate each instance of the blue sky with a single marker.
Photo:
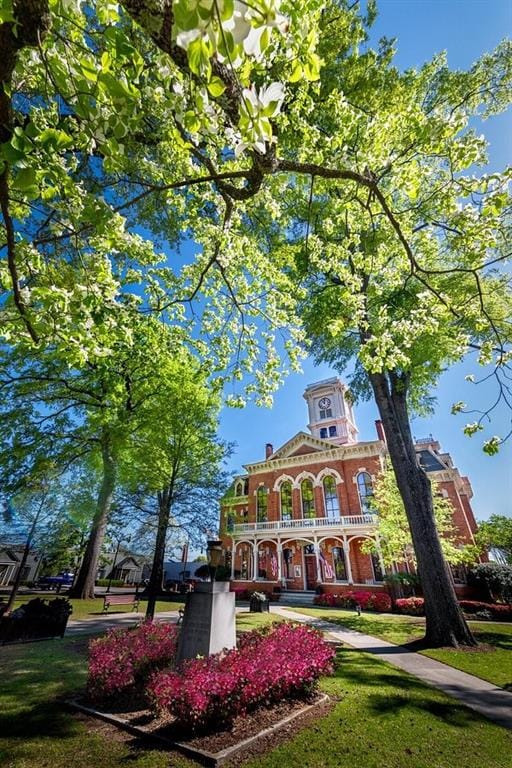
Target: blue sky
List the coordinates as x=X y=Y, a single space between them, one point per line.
x=466 y=29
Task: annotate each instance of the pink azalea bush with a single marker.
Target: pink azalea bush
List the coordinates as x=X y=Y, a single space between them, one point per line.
x=370 y=601
x=125 y=657
x=268 y=666
x=412 y=606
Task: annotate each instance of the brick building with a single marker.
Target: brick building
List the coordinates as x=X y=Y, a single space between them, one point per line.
x=297 y=518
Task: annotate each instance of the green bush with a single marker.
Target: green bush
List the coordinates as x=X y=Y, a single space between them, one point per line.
x=495 y=578
x=113 y=583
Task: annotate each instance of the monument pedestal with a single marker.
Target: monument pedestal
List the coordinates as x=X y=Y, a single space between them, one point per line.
x=208 y=622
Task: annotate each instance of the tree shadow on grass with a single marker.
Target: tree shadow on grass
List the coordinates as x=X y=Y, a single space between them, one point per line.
x=404 y=629
x=36 y=678
x=398 y=691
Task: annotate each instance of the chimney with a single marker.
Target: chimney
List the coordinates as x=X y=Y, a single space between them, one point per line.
x=380 y=431
x=269 y=450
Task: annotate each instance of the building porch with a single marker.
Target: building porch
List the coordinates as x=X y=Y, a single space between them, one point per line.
x=304 y=563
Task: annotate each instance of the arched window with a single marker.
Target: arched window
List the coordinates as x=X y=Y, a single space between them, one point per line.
x=262 y=504
x=239 y=489
x=365 y=488
x=308 y=501
x=246 y=487
x=286 y=500
x=332 y=505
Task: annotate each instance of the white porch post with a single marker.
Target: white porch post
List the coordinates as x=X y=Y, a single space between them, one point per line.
x=317 y=560
x=279 y=562
x=233 y=554
x=379 y=554
x=346 y=551
x=255 y=562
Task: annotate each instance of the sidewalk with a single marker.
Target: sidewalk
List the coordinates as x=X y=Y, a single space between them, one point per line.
x=483 y=697
x=103 y=623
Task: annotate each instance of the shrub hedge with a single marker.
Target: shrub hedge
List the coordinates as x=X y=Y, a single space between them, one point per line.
x=371 y=601
x=415 y=606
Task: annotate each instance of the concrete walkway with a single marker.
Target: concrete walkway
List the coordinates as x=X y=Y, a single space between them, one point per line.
x=486 y=698
x=107 y=621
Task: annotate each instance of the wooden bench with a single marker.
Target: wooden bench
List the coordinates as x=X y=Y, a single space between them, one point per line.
x=109 y=600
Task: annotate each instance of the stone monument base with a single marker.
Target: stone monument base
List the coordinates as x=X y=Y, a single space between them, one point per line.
x=208 y=622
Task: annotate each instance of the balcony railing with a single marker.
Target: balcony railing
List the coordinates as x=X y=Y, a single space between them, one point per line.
x=305 y=523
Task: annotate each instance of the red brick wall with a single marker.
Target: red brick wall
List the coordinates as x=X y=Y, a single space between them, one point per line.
x=347 y=491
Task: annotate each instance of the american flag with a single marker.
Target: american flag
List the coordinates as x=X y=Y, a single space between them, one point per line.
x=328 y=571
x=273 y=565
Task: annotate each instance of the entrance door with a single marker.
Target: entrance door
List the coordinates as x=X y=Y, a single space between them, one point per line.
x=310 y=561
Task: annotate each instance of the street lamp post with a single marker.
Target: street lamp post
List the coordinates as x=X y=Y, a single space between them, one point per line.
x=214 y=556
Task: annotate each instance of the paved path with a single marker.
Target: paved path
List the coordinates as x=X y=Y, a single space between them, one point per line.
x=486 y=698
x=104 y=622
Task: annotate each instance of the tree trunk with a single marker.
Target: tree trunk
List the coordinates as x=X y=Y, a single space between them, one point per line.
x=24 y=558
x=83 y=587
x=157 y=569
x=445 y=623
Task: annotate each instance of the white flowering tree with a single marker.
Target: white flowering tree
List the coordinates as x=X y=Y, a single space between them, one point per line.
x=306 y=168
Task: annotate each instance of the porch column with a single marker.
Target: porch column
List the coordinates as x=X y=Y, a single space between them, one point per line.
x=279 y=562
x=379 y=555
x=255 y=562
x=346 y=551
x=317 y=560
x=233 y=554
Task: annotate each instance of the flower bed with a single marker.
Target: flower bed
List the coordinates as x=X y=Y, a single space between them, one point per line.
x=371 y=601
x=268 y=666
x=124 y=658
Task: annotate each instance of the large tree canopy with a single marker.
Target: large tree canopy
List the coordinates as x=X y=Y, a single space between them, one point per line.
x=322 y=186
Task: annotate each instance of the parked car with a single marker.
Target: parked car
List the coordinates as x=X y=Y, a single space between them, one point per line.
x=63 y=579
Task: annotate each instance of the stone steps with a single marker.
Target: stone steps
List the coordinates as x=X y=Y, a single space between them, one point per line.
x=296 y=598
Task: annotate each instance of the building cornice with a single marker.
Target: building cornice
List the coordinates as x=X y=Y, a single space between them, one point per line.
x=333 y=453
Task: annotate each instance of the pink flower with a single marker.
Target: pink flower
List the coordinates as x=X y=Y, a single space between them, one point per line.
x=124 y=657
x=267 y=666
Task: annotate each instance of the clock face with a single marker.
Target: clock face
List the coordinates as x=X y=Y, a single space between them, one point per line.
x=324 y=402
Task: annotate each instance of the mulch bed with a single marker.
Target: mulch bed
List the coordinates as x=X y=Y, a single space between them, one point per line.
x=250 y=735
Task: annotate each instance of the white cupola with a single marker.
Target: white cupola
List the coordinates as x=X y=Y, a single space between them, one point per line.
x=330 y=412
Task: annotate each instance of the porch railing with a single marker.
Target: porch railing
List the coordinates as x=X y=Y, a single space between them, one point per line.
x=306 y=523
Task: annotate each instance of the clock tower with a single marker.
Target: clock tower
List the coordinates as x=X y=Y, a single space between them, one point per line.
x=330 y=412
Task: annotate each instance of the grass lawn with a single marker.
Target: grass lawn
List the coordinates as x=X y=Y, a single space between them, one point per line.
x=382 y=717
x=248 y=621
x=91 y=609
x=493 y=664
